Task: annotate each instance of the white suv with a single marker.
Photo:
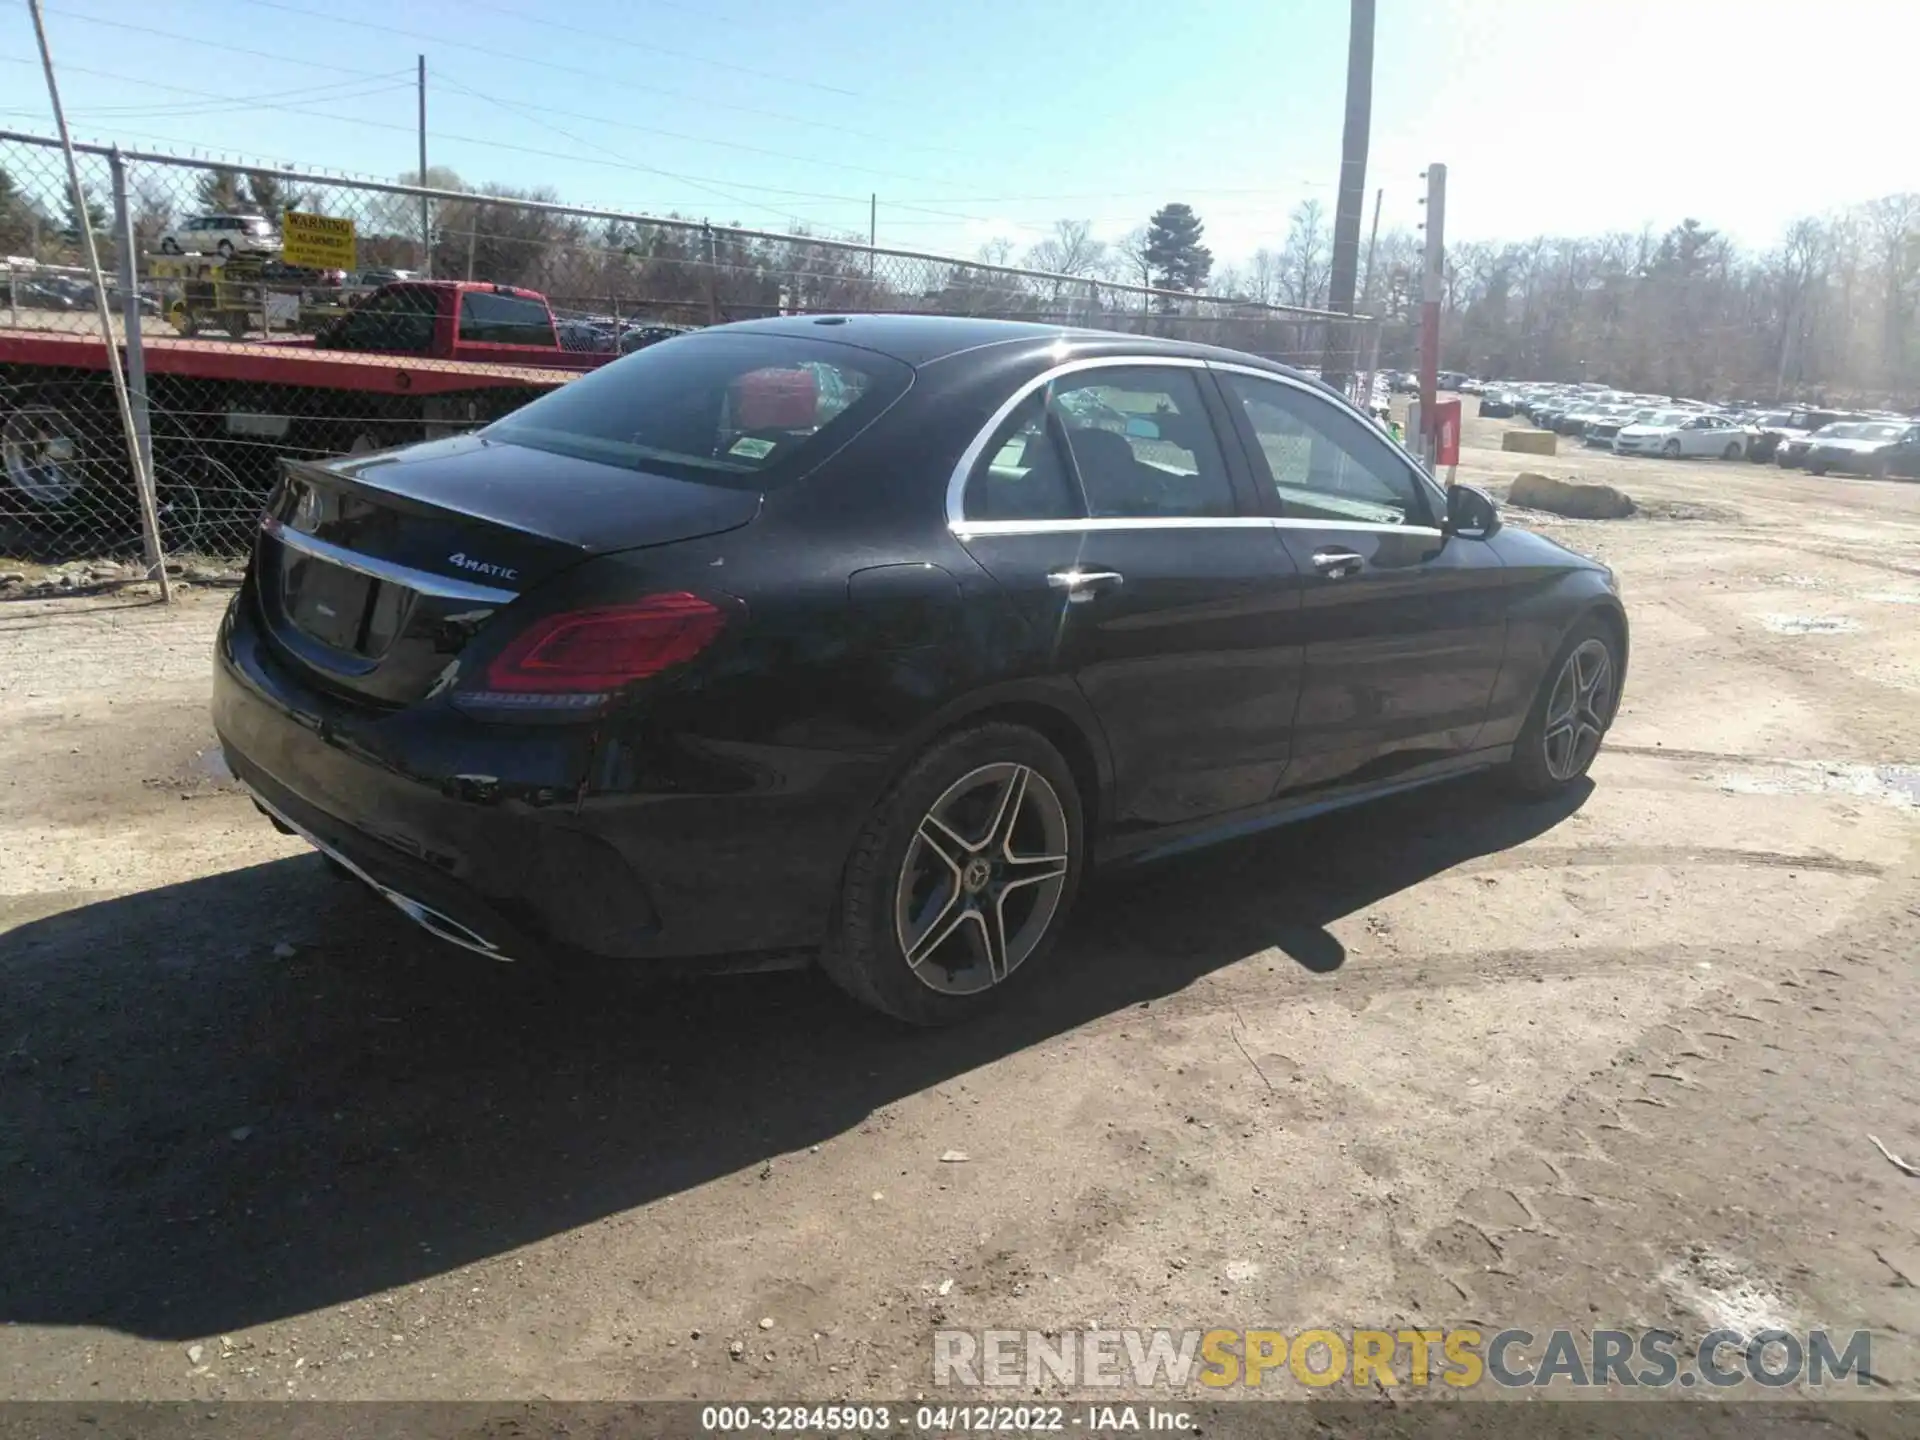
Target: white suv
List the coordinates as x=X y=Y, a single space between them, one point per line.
x=222 y=235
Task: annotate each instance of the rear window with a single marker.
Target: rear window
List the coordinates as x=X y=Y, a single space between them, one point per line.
x=713 y=406
x=504 y=320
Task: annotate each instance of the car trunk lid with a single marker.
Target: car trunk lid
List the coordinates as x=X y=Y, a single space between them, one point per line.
x=374 y=573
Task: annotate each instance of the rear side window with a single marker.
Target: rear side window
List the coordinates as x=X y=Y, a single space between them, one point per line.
x=714 y=407
x=1120 y=442
x=504 y=320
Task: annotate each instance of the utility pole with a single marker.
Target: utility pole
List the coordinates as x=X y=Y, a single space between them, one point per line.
x=1366 y=299
x=1373 y=239
x=1433 y=290
x=873 y=229
x=426 y=205
x=1337 y=366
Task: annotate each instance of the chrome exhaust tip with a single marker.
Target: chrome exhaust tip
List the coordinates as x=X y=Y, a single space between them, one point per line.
x=441 y=926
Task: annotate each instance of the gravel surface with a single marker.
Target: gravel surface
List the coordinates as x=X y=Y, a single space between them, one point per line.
x=1612 y=1061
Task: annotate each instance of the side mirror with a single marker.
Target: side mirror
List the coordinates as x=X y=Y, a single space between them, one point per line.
x=1471 y=513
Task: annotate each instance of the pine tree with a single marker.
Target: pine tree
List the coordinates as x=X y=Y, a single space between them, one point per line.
x=1173 y=251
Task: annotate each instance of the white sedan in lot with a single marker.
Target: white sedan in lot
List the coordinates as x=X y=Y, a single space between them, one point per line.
x=1673 y=433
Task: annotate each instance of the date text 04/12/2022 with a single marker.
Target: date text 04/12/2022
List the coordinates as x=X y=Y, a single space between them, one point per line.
x=943 y=1419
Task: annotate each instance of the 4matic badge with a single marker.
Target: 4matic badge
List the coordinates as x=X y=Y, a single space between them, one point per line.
x=481 y=567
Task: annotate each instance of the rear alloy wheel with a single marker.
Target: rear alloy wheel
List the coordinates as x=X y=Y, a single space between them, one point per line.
x=1570 y=715
x=961 y=879
x=1671 y=449
x=1732 y=452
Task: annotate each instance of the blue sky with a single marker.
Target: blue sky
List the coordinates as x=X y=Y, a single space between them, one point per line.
x=993 y=117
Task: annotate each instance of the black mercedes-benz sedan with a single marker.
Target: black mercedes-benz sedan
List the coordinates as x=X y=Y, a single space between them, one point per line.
x=863 y=637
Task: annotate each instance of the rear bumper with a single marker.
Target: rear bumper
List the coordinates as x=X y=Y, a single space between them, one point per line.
x=498 y=837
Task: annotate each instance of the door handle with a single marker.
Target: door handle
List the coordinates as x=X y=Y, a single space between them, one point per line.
x=1082 y=585
x=1338 y=564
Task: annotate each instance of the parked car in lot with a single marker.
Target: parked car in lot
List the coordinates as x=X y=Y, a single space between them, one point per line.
x=1780 y=427
x=700 y=656
x=1880 y=448
x=222 y=235
x=1674 y=433
x=583 y=335
x=1498 y=404
x=638 y=337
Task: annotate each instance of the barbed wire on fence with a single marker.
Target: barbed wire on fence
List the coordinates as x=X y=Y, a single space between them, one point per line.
x=230 y=335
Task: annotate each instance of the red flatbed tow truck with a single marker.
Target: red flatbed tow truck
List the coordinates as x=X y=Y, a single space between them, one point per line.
x=413 y=360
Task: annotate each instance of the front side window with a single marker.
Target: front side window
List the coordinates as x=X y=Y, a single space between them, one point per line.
x=504 y=320
x=1113 y=442
x=1325 y=464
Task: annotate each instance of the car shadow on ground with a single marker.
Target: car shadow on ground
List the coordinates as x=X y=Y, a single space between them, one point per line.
x=200 y=1134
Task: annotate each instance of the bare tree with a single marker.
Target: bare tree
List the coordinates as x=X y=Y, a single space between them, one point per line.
x=1070 y=250
x=1133 y=249
x=1306 y=259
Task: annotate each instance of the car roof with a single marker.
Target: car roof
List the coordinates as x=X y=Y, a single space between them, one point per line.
x=922 y=339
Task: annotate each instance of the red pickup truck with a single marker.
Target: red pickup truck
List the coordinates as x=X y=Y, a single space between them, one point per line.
x=456 y=320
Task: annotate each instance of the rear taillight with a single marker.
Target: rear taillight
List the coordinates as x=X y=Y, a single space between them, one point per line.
x=575 y=659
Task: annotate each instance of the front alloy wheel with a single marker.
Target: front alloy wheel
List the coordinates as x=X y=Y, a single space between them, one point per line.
x=1578 y=709
x=982 y=879
x=1572 y=710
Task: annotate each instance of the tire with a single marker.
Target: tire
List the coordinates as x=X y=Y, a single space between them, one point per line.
x=901 y=888
x=1539 y=770
x=225 y=247
x=1816 y=469
x=1671 y=449
x=1878 y=469
x=1733 y=451
x=169 y=246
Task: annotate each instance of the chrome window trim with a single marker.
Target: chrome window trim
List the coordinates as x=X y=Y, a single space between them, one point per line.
x=425 y=582
x=1080 y=525
x=970 y=457
x=967 y=529
x=1436 y=495
x=957 y=482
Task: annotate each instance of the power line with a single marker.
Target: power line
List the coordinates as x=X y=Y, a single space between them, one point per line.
x=590 y=119
x=213 y=44
x=512 y=108
x=601 y=37
x=622 y=82
x=209 y=101
x=702 y=140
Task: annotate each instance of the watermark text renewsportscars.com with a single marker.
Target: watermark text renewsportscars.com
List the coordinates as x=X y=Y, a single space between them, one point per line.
x=1148 y=1359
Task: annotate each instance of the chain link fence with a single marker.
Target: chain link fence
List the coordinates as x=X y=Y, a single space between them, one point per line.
x=243 y=344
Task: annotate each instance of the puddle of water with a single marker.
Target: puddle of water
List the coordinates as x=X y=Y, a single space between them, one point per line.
x=1809 y=624
x=1893 y=597
x=1896 y=785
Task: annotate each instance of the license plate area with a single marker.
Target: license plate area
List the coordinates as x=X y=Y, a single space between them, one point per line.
x=343 y=609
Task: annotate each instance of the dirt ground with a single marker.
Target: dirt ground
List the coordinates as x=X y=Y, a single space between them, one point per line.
x=1446 y=1061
